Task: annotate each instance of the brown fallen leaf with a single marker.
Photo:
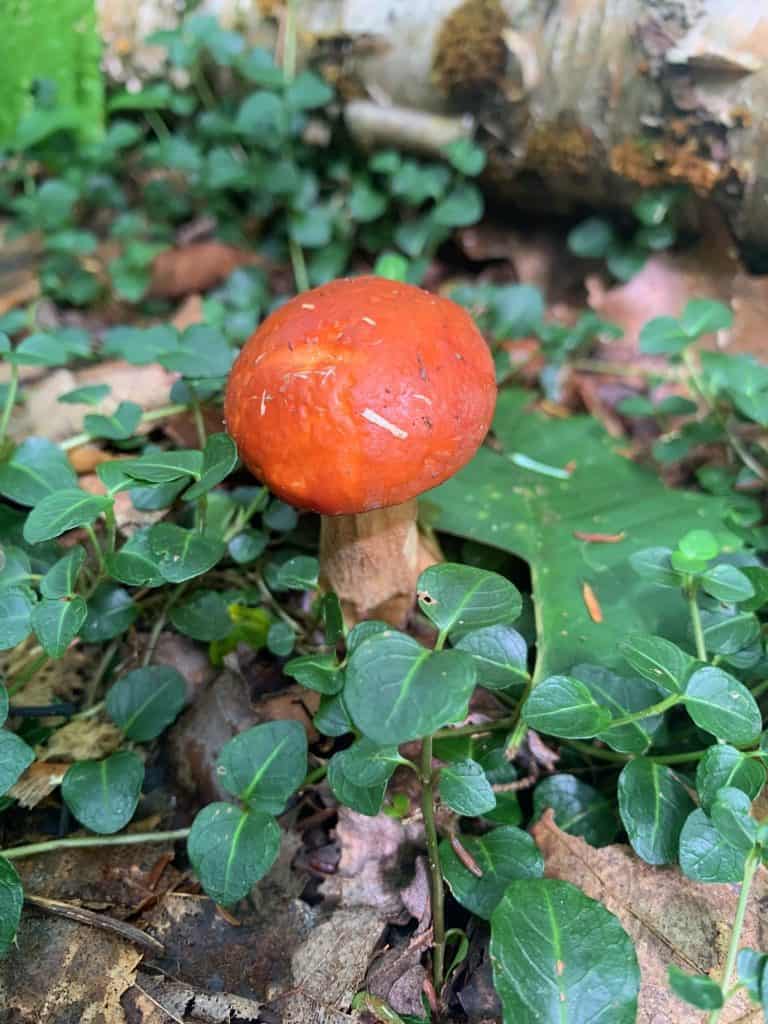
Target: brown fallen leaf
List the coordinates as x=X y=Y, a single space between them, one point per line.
x=44 y=416
x=60 y=972
x=669 y=918
x=87 y=457
x=377 y=855
x=196 y=267
x=38 y=782
x=189 y=313
x=81 y=739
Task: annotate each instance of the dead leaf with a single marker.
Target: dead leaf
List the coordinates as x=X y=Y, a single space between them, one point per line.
x=196 y=267
x=87 y=457
x=60 y=972
x=158 y=1000
x=591 y=602
x=81 y=739
x=38 y=782
x=669 y=918
x=397 y=976
x=189 y=658
x=189 y=313
x=377 y=862
x=328 y=968
x=44 y=416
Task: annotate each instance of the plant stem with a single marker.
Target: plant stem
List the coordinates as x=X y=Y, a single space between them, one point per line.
x=289 y=42
x=698 y=632
x=127 y=839
x=603 y=754
x=759 y=689
x=10 y=398
x=26 y=674
x=197 y=414
x=201 y=513
x=111 y=524
x=298 y=265
x=750 y=867
x=654 y=709
x=148 y=417
x=96 y=550
x=433 y=854
x=157 y=628
x=476 y=730
x=314 y=776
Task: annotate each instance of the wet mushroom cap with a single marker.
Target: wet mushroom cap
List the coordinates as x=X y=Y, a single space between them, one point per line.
x=360 y=394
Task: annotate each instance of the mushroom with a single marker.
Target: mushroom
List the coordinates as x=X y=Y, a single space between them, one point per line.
x=351 y=400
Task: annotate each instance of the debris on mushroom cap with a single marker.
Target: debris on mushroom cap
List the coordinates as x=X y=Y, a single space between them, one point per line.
x=360 y=394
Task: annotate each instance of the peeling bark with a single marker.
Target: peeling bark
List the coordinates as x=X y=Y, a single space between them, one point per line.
x=586 y=100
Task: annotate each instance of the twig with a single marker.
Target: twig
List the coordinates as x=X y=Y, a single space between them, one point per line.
x=73 y=912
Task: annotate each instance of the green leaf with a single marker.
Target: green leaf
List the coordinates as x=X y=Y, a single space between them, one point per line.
x=705 y=316
x=60 y=579
x=723 y=706
x=358 y=775
x=332 y=718
x=705 y=856
x=726 y=634
x=182 y=554
x=134 y=563
x=561 y=958
x=153 y=97
x=579 y=809
x=4 y=705
x=117 y=426
x=727 y=583
x=622 y=696
x=15 y=617
x=517 y=310
x=624 y=261
x=219 y=459
x=653 y=804
x=204 y=616
x=62 y=511
x=461 y=207
x=695 y=989
x=500 y=656
x=500 y=772
x=731 y=815
x=103 y=795
x=281 y=639
x=40 y=350
x=460 y=598
x=750 y=967
x=396 y=690
x=723 y=765
x=245 y=547
x=110 y=612
x=466 y=156
x=280 y=516
x=231 y=850
x=57 y=621
x=562 y=706
x=15 y=567
x=318 y=672
x=503 y=855
x=204 y=353
x=265 y=765
x=333 y=618
x=664 y=663
x=663 y=336
x=144 y=702
x=15 y=758
x=308 y=91
x=495 y=502
x=163 y=467
x=653 y=205
x=297 y=573
x=655 y=564
x=36 y=469
x=464 y=788
x=11 y=903
x=89 y=394
x=591 y=239
x=699 y=545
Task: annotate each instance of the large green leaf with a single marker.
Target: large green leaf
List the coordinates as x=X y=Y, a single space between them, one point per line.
x=232 y=849
x=561 y=958
x=534 y=515
x=11 y=902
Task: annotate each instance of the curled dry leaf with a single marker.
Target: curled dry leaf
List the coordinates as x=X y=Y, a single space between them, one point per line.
x=196 y=267
x=669 y=918
x=82 y=739
x=377 y=857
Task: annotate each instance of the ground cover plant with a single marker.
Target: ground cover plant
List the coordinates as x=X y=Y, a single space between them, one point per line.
x=589 y=642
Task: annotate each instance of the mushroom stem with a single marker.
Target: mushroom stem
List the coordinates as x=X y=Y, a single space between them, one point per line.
x=372 y=561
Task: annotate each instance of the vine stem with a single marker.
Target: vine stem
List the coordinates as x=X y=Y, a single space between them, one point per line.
x=654 y=709
x=148 y=417
x=160 y=621
x=433 y=855
x=10 y=399
x=698 y=631
x=475 y=730
x=128 y=839
x=750 y=867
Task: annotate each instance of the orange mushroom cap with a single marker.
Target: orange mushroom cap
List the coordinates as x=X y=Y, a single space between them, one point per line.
x=360 y=394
